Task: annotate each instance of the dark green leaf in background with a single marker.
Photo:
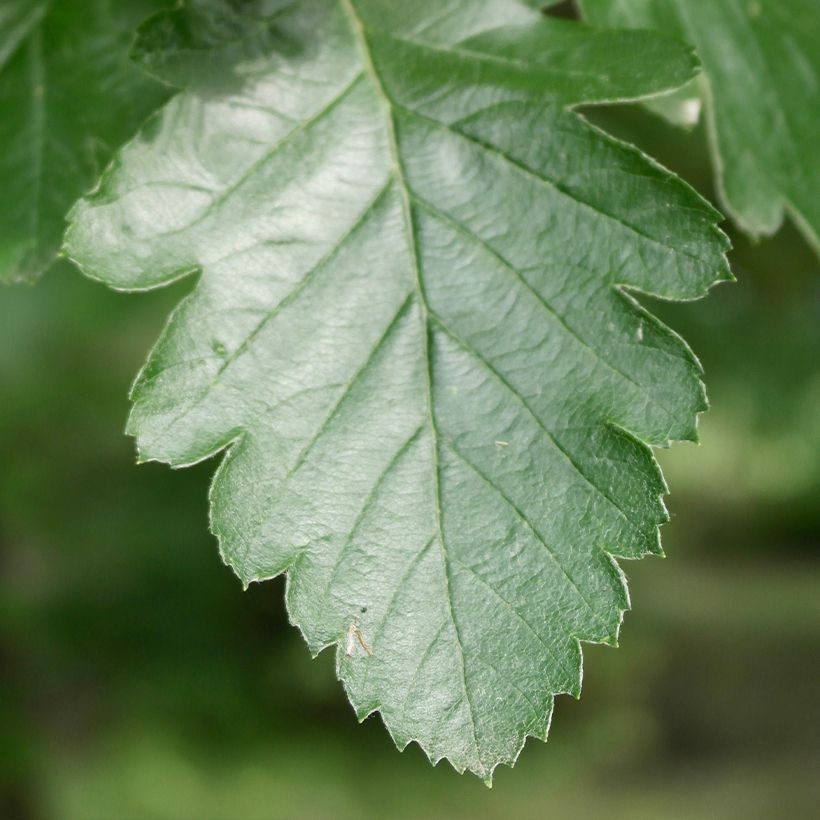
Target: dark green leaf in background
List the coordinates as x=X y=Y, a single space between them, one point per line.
x=411 y=333
x=761 y=78
x=68 y=97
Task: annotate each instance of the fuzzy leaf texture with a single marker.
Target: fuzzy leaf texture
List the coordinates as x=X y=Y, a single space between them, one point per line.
x=412 y=335
x=69 y=96
x=761 y=82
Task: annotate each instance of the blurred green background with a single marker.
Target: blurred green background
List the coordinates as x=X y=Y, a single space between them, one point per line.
x=139 y=682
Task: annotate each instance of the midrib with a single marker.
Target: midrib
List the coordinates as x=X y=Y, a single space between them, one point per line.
x=360 y=32
x=38 y=124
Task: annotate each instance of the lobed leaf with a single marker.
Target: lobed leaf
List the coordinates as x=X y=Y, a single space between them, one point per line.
x=412 y=334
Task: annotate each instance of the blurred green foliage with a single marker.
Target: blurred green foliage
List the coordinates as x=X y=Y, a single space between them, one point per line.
x=140 y=683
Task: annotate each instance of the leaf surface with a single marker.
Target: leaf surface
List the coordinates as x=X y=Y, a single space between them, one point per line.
x=411 y=333
x=68 y=97
x=761 y=63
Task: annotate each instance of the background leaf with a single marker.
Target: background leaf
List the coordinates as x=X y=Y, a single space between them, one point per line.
x=411 y=332
x=68 y=97
x=762 y=73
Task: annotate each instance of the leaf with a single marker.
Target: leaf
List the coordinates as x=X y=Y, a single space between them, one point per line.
x=17 y=19
x=411 y=334
x=762 y=81
x=68 y=97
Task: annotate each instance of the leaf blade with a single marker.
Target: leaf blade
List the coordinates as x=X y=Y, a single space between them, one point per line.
x=68 y=97
x=443 y=496
x=763 y=51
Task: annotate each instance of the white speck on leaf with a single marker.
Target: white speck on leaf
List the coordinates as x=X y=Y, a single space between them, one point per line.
x=355 y=634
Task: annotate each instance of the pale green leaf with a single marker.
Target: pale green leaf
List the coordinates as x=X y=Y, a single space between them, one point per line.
x=68 y=97
x=412 y=334
x=762 y=90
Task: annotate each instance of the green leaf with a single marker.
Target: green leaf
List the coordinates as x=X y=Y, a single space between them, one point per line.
x=68 y=97
x=411 y=333
x=762 y=90
x=17 y=19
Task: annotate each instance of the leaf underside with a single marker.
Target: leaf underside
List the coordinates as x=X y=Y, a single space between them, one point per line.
x=412 y=334
x=761 y=62
x=68 y=97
